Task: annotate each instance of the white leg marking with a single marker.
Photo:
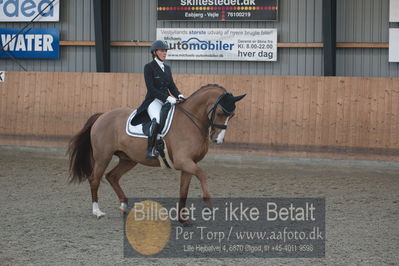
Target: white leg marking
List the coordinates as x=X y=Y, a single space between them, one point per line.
x=123 y=207
x=220 y=137
x=96 y=210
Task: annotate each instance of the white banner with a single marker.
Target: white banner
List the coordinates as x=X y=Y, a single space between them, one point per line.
x=220 y=44
x=394 y=11
x=26 y=10
x=393 y=45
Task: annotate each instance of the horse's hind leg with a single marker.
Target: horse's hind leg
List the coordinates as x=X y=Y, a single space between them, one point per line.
x=98 y=171
x=113 y=177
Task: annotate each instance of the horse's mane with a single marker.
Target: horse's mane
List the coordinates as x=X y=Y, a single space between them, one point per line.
x=215 y=86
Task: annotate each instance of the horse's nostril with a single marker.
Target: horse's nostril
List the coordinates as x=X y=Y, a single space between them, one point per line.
x=215 y=141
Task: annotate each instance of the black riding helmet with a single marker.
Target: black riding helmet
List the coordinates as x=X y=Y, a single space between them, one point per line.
x=159 y=45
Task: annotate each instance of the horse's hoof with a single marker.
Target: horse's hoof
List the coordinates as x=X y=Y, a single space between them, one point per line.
x=208 y=202
x=98 y=214
x=122 y=211
x=186 y=222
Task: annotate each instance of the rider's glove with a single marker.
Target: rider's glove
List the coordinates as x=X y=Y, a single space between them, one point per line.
x=181 y=98
x=171 y=100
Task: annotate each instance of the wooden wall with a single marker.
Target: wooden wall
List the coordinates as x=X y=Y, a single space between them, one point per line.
x=306 y=116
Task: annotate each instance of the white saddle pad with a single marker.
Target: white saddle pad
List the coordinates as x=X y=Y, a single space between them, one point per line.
x=137 y=131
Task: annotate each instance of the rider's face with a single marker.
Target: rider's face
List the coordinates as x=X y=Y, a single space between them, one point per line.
x=161 y=54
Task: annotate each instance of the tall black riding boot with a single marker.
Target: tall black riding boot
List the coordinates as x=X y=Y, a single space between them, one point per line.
x=152 y=153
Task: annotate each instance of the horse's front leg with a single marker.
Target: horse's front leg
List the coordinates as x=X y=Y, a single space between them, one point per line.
x=192 y=168
x=202 y=177
x=185 y=180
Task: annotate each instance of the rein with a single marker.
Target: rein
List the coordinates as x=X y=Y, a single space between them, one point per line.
x=191 y=117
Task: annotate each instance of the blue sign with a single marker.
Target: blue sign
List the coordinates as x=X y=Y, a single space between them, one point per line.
x=26 y=10
x=31 y=43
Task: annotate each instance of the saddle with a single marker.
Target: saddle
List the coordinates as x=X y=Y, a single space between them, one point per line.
x=143 y=131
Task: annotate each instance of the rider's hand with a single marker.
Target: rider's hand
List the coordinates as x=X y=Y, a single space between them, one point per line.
x=171 y=100
x=181 y=98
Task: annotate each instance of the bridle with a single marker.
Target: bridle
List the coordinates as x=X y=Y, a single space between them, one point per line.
x=210 y=115
x=213 y=112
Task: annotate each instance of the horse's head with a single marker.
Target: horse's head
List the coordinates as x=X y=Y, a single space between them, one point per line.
x=220 y=114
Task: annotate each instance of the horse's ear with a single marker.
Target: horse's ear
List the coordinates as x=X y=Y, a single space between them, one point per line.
x=237 y=98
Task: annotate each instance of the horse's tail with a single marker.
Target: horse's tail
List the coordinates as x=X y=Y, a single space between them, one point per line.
x=80 y=153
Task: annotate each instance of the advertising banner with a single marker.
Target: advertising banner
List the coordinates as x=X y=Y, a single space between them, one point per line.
x=220 y=44
x=393 y=45
x=394 y=11
x=27 y=10
x=31 y=43
x=205 y=10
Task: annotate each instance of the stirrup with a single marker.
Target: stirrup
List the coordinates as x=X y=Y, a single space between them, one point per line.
x=152 y=154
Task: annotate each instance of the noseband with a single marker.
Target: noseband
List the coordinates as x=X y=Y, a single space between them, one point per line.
x=211 y=115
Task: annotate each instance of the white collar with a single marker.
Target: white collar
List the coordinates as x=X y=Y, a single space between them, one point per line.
x=160 y=63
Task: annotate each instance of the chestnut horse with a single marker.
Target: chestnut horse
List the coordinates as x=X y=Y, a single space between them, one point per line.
x=204 y=115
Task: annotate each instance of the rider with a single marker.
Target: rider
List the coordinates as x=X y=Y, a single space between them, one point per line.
x=160 y=84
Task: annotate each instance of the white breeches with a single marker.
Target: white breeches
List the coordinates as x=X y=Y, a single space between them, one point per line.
x=154 y=109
